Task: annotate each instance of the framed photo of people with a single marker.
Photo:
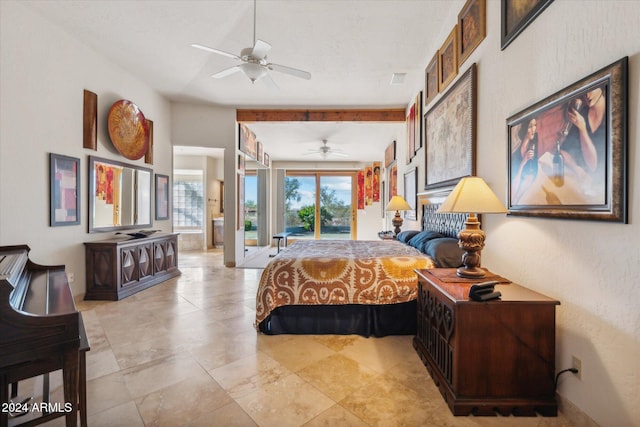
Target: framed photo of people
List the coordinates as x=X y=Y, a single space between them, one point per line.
x=567 y=153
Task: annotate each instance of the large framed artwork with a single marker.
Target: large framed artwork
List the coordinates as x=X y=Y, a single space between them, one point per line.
x=450 y=134
x=64 y=190
x=516 y=15
x=567 y=154
x=162 y=196
x=472 y=28
x=448 y=60
x=411 y=193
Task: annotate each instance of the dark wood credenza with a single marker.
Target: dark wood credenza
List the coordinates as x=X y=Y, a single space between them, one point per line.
x=489 y=357
x=117 y=268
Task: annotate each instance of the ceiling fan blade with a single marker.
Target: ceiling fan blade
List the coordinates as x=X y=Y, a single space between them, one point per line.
x=339 y=153
x=219 y=52
x=268 y=81
x=291 y=71
x=260 y=49
x=226 y=72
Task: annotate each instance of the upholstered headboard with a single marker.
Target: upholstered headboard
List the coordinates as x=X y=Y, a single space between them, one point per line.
x=448 y=224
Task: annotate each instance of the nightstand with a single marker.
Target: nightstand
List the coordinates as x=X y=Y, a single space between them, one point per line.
x=497 y=355
x=387 y=235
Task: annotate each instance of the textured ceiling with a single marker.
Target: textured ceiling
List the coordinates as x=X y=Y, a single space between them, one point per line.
x=351 y=48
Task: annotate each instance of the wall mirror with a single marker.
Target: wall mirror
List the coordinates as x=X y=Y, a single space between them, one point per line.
x=119 y=195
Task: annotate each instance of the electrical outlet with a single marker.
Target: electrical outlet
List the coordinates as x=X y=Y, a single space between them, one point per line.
x=577 y=364
x=71 y=277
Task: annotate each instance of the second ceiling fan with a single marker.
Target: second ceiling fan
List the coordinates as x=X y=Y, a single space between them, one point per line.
x=254 y=60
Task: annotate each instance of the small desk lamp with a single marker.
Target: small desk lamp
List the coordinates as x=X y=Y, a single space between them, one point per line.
x=472 y=195
x=397 y=203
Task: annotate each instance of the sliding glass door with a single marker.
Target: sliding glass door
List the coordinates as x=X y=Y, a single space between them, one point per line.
x=319 y=205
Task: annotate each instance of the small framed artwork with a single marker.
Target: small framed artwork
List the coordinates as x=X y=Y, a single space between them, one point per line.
x=417 y=124
x=266 y=160
x=516 y=15
x=241 y=164
x=162 y=197
x=450 y=134
x=240 y=202
x=431 y=80
x=259 y=152
x=411 y=194
x=382 y=205
x=567 y=153
x=472 y=28
x=390 y=154
x=64 y=190
x=148 y=157
x=393 y=181
x=90 y=121
x=448 y=60
x=411 y=132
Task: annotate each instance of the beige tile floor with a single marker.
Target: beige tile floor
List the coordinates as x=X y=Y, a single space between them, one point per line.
x=185 y=353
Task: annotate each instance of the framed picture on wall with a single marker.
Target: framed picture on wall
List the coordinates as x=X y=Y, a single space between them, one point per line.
x=431 y=80
x=410 y=193
x=448 y=60
x=472 y=28
x=516 y=15
x=568 y=152
x=64 y=190
x=162 y=196
x=450 y=134
x=390 y=154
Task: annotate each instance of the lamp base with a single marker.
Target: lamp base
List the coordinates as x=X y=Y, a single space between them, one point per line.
x=397 y=222
x=471 y=240
x=471 y=273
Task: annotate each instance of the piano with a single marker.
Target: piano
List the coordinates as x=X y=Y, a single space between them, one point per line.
x=40 y=332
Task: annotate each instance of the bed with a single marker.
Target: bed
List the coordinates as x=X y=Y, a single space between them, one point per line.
x=344 y=287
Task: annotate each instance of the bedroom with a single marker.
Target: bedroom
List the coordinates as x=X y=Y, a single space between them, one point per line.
x=588 y=266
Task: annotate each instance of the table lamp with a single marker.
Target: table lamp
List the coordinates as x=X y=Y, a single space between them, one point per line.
x=397 y=203
x=473 y=196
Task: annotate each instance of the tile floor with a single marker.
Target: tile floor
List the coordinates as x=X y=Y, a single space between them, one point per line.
x=185 y=353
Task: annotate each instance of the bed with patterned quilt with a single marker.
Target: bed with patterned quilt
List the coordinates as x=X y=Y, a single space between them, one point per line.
x=346 y=287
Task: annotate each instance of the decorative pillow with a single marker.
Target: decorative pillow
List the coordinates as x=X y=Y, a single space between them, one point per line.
x=405 y=236
x=445 y=252
x=422 y=237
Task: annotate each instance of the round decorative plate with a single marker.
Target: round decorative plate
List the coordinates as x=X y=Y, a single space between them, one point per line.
x=128 y=129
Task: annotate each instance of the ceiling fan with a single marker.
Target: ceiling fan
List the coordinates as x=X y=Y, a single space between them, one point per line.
x=326 y=151
x=254 y=60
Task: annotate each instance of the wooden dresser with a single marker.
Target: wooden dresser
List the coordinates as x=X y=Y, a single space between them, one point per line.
x=487 y=357
x=117 y=268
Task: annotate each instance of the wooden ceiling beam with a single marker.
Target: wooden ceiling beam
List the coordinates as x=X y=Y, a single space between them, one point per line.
x=386 y=115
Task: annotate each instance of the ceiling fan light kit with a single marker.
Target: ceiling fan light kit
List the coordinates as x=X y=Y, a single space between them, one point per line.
x=254 y=60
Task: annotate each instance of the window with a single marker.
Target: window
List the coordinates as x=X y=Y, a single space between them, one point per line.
x=188 y=200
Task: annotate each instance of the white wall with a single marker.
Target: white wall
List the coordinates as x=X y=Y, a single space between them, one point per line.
x=591 y=267
x=43 y=75
x=210 y=126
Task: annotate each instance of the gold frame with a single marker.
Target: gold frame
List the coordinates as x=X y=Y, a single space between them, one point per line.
x=448 y=58
x=472 y=22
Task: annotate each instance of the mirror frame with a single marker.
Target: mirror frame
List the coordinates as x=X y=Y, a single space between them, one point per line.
x=92 y=193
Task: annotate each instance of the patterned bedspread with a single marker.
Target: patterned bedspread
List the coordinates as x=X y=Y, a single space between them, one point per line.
x=327 y=272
